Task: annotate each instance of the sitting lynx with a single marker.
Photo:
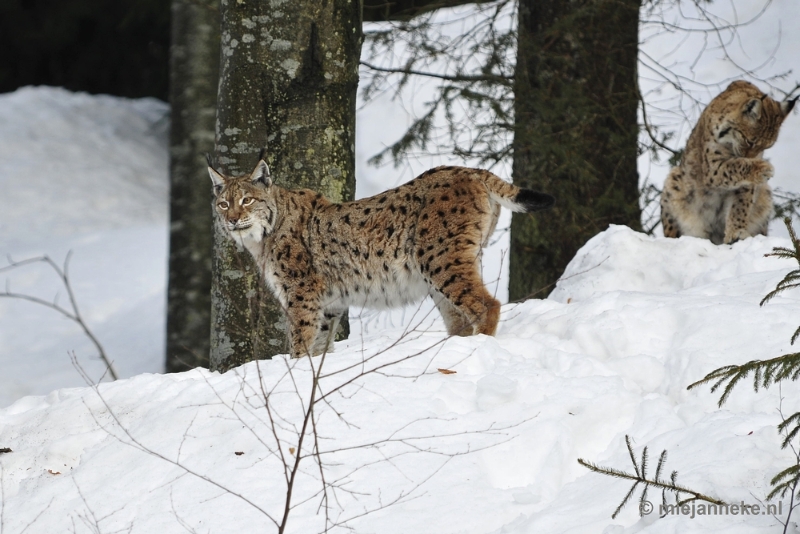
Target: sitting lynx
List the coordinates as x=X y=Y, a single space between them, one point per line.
x=719 y=191
x=422 y=238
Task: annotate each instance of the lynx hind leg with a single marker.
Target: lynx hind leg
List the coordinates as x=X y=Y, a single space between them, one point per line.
x=456 y=322
x=469 y=308
x=739 y=215
x=669 y=220
x=669 y=223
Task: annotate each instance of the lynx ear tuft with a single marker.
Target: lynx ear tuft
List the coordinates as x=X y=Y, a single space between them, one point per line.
x=261 y=174
x=217 y=179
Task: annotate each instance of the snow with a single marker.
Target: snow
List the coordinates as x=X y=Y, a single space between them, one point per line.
x=490 y=448
x=87 y=174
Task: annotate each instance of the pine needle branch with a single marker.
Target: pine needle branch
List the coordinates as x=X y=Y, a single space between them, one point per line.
x=640 y=477
x=766 y=373
x=792 y=279
x=784 y=481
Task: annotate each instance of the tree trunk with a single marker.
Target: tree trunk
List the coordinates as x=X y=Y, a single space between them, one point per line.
x=194 y=71
x=576 y=131
x=381 y=10
x=288 y=79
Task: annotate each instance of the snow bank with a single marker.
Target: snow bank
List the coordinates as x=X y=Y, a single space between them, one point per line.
x=89 y=174
x=490 y=448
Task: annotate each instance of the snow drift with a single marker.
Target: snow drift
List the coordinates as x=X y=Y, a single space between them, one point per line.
x=409 y=446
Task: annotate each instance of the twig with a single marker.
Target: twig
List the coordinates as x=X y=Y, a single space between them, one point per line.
x=74 y=315
x=640 y=477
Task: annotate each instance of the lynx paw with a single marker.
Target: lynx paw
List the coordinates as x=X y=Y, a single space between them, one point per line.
x=735 y=236
x=763 y=171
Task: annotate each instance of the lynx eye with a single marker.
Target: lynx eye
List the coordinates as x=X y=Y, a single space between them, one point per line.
x=247 y=201
x=223 y=205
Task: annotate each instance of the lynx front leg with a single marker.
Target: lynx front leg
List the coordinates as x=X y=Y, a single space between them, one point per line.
x=736 y=172
x=740 y=214
x=327 y=332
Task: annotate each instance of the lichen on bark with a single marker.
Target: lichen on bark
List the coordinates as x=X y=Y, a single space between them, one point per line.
x=289 y=73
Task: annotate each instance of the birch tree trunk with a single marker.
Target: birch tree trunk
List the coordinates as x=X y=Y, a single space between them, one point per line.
x=575 y=131
x=194 y=72
x=288 y=79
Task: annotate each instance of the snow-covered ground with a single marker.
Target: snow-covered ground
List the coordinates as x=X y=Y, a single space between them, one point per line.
x=86 y=174
x=489 y=448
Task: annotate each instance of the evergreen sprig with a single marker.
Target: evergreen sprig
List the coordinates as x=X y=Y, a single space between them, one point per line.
x=768 y=372
x=792 y=279
x=765 y=372
x=785 y=481
x=640 y=477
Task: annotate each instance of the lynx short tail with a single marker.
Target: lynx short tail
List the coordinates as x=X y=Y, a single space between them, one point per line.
x=516 y=198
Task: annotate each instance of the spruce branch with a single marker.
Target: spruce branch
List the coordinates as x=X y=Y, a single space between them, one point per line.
x=784 y=481
x=765 y=372
x=792 y=279
x=640 y=477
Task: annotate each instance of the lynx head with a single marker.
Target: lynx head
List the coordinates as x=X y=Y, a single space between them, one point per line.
x=751 y=119
x=245 y=204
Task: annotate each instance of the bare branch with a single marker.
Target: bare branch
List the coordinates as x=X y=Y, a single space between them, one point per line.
x=73 y=315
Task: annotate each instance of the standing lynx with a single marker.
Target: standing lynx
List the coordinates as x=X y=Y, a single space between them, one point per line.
x=422 y=238
x=719 y=191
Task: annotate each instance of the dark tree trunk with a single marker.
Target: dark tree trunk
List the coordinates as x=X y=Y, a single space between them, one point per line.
x=576 y=130
x=288 y=82
x=194 y=73
x=380 y=10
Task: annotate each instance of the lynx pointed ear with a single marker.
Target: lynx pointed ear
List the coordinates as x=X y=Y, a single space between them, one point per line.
x=217 y=179
x=753 y=108
x=788 y=105
x=261 y=174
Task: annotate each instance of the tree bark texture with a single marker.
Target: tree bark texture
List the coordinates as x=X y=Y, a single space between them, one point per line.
x=575 y=132
x=194 y=73
x=288 y=79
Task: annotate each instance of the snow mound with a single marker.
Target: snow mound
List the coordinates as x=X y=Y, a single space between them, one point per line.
x=408 y=445
x=80 y=161
x=87 y=174
x=623 y=260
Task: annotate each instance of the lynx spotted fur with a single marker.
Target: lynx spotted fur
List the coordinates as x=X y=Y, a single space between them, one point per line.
x=719 y=191
x=422 y=238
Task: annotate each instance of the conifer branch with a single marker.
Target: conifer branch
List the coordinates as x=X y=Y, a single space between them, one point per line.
x=640 y=477
x=784 y=481
x=766 y=372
